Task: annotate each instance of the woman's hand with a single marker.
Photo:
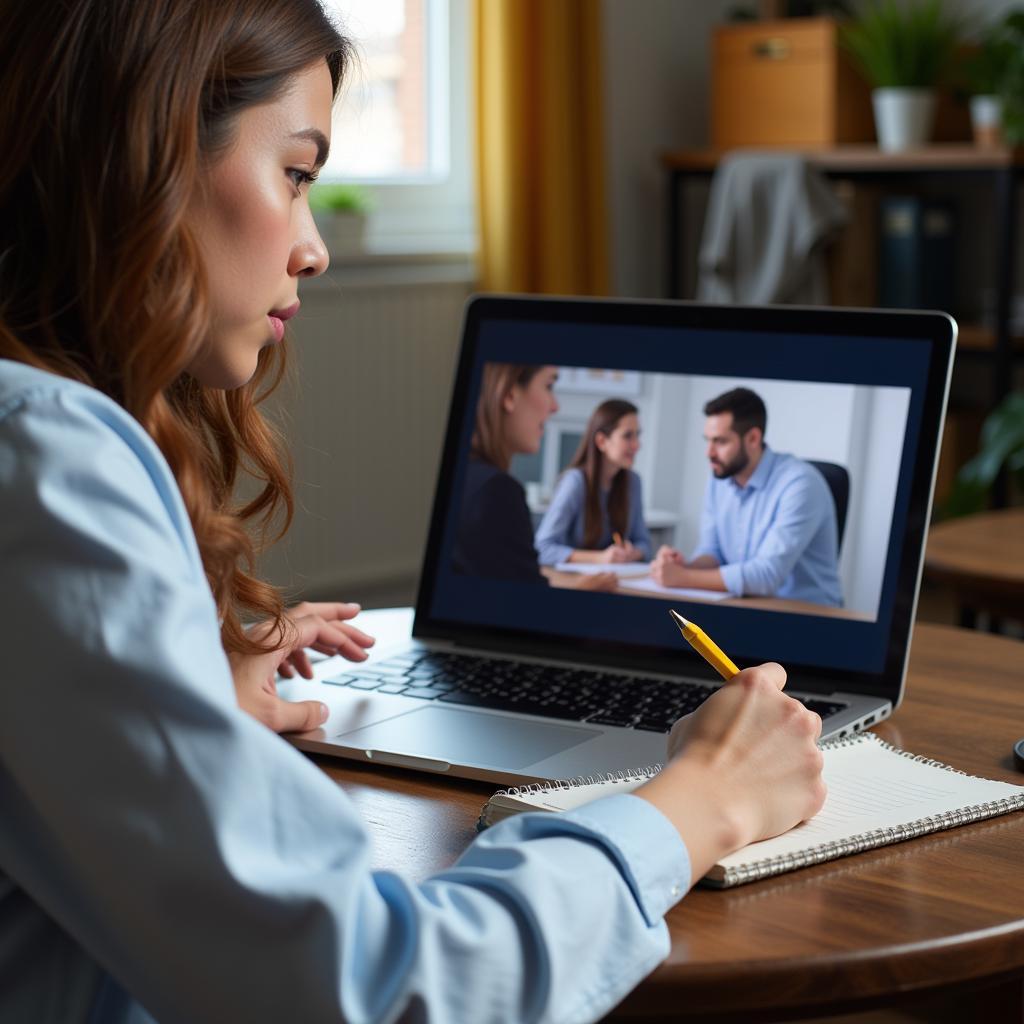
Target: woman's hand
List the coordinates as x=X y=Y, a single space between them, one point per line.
x=604 y=581
x=614 y=554
x=320 y=626
x=743 y=767
x=627 y=551
x=338 y=637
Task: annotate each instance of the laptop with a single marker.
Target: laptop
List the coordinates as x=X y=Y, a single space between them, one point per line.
x=515 y=679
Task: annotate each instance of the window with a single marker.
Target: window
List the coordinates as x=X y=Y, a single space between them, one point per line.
x=402 y=125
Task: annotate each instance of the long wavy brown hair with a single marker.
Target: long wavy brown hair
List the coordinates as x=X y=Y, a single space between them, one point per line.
x=497 y=380
x=603 y=420
x=110 y=112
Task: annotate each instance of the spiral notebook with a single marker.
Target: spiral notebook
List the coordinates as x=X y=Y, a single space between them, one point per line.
x=877 y=795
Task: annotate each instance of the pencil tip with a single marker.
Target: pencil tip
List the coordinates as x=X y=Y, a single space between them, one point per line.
x=679 y=620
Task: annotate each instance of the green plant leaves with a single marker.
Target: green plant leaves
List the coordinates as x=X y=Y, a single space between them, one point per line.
x=902 y=44
x=1002 y=444
x=339 y=198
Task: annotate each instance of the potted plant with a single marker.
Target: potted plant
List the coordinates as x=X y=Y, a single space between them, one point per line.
x=985 y=70
x=341 y=214
x=1002 y=447
x=995 y=79
x=904 y=48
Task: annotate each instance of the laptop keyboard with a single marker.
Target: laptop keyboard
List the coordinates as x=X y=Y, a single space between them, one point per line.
x=579 y=695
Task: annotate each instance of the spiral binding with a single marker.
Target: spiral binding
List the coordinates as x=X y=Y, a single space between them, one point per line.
x=560 y=785
x=877 y=837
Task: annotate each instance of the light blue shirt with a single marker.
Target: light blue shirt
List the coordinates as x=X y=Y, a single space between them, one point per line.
x=777 y=535
x=561 y=530
x=163 y=854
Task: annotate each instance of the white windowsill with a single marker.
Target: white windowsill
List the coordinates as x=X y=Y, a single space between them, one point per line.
x=395 y=268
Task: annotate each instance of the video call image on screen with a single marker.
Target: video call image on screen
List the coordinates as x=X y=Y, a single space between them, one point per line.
x=760 y=493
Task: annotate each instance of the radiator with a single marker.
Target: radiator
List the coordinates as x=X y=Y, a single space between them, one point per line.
x=364 y=413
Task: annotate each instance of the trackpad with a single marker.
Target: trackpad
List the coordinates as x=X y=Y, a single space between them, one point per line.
x=468 y=738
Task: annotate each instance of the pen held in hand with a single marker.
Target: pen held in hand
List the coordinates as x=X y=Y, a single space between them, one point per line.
x=705 y=646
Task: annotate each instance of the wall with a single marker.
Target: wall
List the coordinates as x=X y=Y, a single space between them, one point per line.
x=364 y=419
x=656 y=99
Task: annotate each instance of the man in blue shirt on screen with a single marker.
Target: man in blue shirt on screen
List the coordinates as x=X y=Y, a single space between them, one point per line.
x=768 y=527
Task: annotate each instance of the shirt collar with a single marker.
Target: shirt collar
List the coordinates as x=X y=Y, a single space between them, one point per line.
x=760 y=475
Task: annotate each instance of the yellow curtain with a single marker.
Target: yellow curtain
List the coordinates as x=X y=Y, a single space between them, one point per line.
x=540 y=145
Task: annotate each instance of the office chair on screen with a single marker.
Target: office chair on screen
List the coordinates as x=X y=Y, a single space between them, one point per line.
x=838 y=479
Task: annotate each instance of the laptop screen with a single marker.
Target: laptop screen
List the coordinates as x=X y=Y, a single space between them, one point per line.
x=766 y=472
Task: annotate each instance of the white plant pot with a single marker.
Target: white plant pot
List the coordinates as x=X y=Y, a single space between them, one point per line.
x=903 y=117
x=344 y=234
x=987 y=120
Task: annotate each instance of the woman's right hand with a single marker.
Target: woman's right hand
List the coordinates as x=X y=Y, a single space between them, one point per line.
x=613 y=554
x=743 y=767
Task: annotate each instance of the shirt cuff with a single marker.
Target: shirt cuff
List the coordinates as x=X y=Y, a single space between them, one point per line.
x=732 y=577
x=649 y=851
x=552 y=554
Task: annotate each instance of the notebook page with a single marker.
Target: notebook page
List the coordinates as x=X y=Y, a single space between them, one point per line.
x=682 y=593
x=596 y=568
x=872 y=787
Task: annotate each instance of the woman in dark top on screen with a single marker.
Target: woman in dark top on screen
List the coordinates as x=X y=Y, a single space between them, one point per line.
x=495 y=536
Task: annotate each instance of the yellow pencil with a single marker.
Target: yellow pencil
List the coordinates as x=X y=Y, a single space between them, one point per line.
x=705 y=647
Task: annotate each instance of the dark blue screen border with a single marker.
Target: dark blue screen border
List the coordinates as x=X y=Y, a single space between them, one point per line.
x=830 y=647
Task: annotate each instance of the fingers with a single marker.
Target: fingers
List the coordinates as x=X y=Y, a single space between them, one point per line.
x=605 y=581
x=329 y=610
x=329 y=637
x=298 y=659
x=300 y=716
x=770 y=671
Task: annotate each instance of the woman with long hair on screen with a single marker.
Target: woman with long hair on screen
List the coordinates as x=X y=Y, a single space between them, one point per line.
x=495 y=535
x=596 y=513
x=164 y=855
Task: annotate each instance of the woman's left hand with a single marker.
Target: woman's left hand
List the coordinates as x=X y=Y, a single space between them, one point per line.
x=320 y=626
x=337 y=637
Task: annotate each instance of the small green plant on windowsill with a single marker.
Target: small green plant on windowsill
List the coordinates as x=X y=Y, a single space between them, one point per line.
x=339 y=198
x=1002 y=447
x=341 y=213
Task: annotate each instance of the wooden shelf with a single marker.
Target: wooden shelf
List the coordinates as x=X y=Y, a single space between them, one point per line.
x=836 y=159
x=976 y=338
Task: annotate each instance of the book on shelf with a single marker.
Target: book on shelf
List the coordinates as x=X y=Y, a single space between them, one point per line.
x=917 y=253
x=877 y=795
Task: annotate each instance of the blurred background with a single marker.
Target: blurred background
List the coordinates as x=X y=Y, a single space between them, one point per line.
x=581 y=147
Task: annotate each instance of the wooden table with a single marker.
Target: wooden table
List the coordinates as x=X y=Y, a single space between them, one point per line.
x=981 y=558
x=571 y=581
x=942 y=914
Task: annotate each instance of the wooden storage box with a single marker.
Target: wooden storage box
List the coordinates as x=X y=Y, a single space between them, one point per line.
x=786 y=83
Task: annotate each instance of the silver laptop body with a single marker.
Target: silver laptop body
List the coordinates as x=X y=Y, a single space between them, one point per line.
x=408 y=705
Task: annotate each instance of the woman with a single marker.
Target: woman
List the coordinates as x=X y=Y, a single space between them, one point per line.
x=495 y=536
x=179 y=859
x=596 y=514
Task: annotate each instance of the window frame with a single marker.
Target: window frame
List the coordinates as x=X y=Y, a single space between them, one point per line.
x=435 y=211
